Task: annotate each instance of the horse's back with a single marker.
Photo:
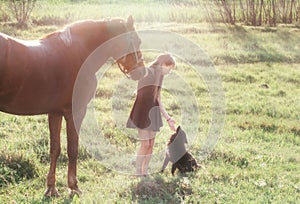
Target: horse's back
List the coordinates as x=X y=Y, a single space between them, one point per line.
x=28 y=76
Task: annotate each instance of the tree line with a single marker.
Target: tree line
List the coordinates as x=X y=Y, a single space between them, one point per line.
x=249 y=12
x=253 y=12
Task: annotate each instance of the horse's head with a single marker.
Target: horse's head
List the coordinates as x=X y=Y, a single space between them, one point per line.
x=126 y=49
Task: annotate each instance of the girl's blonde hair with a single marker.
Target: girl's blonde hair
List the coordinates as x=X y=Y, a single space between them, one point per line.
x=166 y=59
x=162 y=59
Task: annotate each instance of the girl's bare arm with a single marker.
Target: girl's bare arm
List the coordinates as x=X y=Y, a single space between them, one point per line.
x=168 y=118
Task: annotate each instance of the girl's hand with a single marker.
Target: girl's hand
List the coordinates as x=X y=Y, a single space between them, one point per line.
x=171 y=123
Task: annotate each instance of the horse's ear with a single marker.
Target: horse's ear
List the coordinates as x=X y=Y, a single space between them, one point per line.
x=130 y=22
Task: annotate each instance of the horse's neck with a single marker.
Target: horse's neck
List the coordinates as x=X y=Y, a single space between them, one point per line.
x=92 y=35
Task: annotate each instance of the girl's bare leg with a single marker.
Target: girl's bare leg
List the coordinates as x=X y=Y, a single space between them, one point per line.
x=149 y=153
x=142 y=152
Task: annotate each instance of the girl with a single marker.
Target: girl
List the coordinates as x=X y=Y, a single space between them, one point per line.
x=146 y=114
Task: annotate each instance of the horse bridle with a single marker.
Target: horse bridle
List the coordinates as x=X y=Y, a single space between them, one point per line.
x=130 y=41
x=129 y=38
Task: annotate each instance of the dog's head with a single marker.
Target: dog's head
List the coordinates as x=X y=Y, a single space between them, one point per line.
x=181 y=134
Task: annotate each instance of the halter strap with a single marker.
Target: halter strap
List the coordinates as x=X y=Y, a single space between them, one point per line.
x=130 y=45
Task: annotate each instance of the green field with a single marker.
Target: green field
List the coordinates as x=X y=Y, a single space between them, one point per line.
x=257 y=157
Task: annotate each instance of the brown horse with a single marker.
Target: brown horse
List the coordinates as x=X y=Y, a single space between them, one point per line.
x=38 y=77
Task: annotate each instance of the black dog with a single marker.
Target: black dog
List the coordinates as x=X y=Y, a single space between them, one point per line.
x=178 y=155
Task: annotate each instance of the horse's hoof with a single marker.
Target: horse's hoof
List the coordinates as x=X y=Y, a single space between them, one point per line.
x=51 y=192
x=75 y=191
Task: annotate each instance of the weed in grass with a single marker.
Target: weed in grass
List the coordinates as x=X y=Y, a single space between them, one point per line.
x=15 y=168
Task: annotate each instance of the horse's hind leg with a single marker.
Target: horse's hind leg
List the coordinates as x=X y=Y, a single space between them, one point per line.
x=55 y=128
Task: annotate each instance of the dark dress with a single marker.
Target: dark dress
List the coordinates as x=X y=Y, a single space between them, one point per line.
x=145 y=113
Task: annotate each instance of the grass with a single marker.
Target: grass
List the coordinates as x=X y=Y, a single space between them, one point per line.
x=256 y=159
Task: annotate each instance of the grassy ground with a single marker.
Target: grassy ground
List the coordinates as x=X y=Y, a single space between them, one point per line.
x=257 y=157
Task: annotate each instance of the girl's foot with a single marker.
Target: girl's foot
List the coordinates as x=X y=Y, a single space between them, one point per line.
x=146 y=174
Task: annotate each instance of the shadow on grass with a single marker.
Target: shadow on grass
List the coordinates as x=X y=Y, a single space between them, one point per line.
x=161 y=189
x=15 y=168
x=263 y=45
x=50 y=200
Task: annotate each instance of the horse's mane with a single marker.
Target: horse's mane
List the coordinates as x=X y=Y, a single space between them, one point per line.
x=64 y=34
x=80 y=26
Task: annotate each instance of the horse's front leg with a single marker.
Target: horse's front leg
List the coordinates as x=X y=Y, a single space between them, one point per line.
x=55 y=128
x=72 y=148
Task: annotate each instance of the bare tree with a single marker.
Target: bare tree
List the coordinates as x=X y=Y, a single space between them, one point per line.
x=291 y=12
x=255 y=12
x=21 y=10
x=274 y=13
x=298 y=12
x=260 y=12
x=242 y=11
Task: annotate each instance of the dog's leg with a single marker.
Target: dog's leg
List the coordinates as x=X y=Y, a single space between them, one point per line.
x=174 y=167
x=194 y=163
